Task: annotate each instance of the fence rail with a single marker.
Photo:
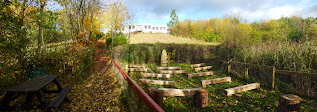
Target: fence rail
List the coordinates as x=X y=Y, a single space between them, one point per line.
x=147 y=100
x=274 y=71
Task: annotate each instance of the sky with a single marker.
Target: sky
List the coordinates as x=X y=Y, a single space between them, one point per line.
x=157 y=12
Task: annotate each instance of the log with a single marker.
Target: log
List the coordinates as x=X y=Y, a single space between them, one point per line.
x=135 y=66
x=145 y=75
x=158 y=82
x=136 y=69
x=289 y=103
x=197 y=65
x=168 y=68
x=201 y=98
x=156 y=95
x=203 y=68
x=239 y=89
x=214 y=81
x=173 y=71
x=200 y=74
x=178 y=92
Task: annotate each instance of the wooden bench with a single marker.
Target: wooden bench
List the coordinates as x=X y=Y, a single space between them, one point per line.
x=202 y=68
x=200 y=74
x=60 y=98
x=214 y=81
x=158 y=82
x=197 y=65
x=157 y=75
x=239 y=89
x=168 y=68
x=173 y=71
x=200 y=95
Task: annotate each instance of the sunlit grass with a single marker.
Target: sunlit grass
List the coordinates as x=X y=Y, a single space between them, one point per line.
x=150 y=38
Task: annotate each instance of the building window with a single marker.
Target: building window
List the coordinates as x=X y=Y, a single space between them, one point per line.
x=149 y=27
x=163 y=28
x=156 y=28
x=145 y=27
x=132 y=27
x=129 y=27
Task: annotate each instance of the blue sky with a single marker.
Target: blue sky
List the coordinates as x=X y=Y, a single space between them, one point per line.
x=158 y=11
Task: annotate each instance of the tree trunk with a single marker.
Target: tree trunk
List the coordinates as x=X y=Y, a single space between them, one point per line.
x=40 y=36
x=91 y=17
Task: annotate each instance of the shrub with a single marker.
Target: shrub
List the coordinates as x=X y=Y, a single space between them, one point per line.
x=118 y=39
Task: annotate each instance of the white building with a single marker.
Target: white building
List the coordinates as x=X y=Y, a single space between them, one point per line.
x=146 y=28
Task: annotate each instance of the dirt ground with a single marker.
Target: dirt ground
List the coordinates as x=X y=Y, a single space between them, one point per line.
x=100 y=92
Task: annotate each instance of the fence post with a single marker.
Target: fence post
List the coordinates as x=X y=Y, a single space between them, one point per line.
x=229 y=67
x=246 y=71
x=273 y=77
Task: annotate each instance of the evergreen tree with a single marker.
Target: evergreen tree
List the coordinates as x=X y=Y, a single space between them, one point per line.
x=174 y=19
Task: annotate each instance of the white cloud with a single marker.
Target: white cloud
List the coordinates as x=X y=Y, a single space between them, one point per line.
x=204 y=9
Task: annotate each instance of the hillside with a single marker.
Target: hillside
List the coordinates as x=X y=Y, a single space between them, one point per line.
x=164 y=38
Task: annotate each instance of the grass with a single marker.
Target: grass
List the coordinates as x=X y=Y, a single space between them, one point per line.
x=253 y=100
x=150 y=38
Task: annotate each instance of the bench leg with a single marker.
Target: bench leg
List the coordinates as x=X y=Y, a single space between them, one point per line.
x=58 y=84
x=29 y=99
x=6 y=101
x=41 y=97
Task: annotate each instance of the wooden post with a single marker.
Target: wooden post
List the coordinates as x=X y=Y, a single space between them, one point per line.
x=273 y=77
x=159 y=98
x=152 y=91
x=229 y=67
x=246 y=71
x=201 y=98
x=289 y=103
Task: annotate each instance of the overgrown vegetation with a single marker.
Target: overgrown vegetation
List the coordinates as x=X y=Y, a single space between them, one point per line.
x=285 y=29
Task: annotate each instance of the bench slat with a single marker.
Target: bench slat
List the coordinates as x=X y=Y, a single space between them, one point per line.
x=214 y=81
x=239 y=89
x=200 y=74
